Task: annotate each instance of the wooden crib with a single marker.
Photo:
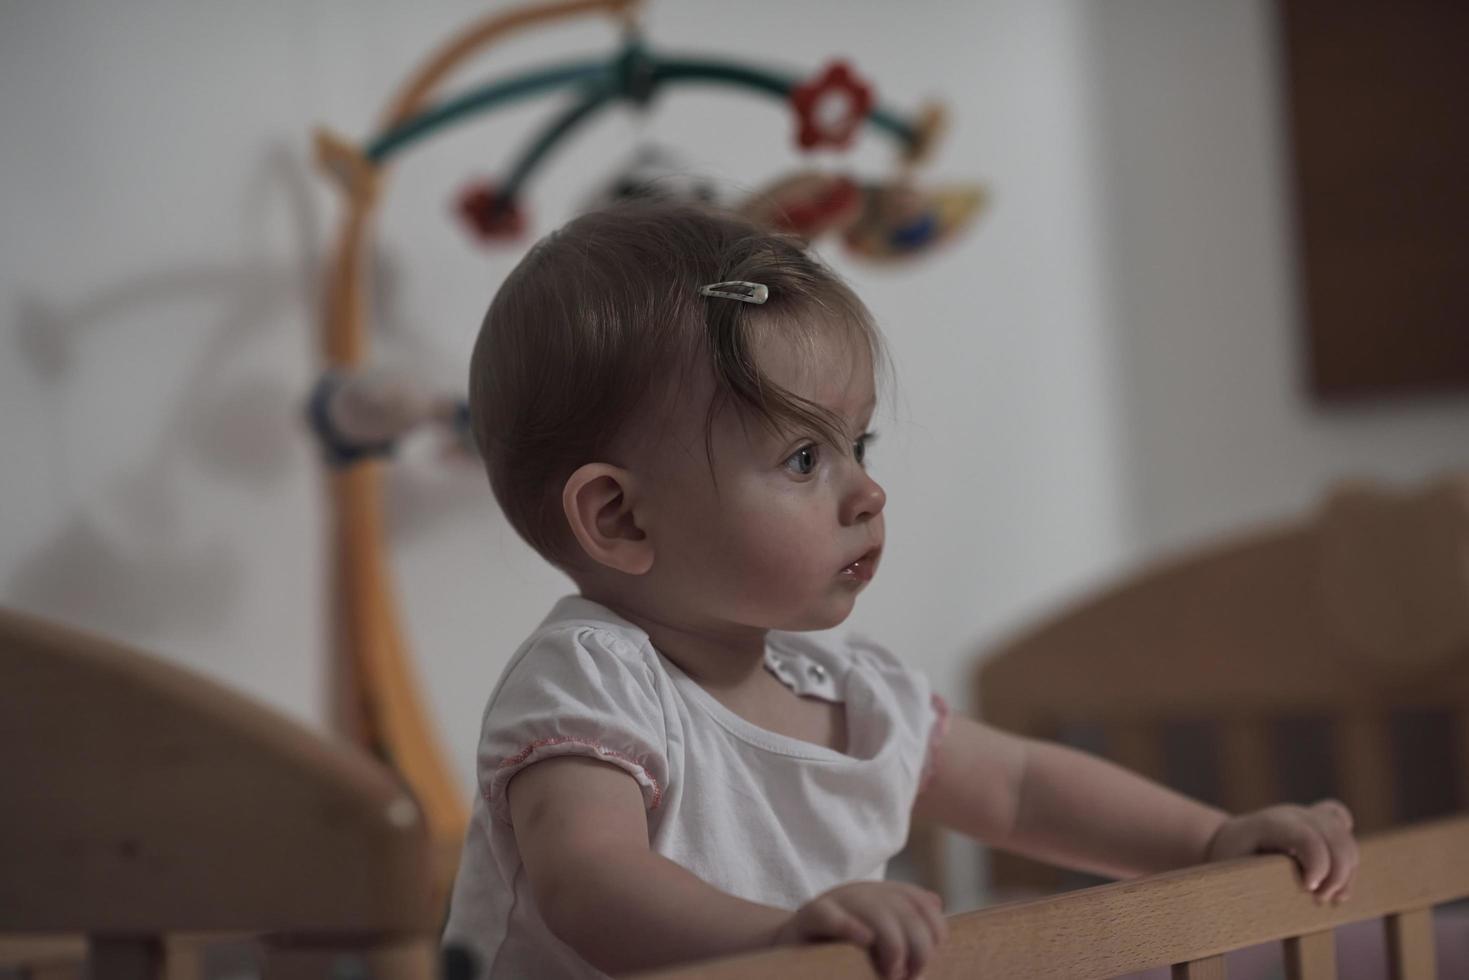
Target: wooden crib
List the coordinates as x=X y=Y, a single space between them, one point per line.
x=143 y=802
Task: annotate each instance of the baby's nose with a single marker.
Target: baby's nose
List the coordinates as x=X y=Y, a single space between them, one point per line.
x=865 y=501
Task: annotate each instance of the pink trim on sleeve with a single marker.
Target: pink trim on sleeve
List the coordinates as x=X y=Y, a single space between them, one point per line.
x=546 y=748
x=935 y=736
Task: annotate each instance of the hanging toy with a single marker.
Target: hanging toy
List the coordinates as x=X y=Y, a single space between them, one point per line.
x=808 y=203
x=489 y=217
x=898 y=220
x=654 y=172
x=830 y=107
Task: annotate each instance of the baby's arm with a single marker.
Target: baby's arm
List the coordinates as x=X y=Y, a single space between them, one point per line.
x=1069 y=808
x=1062 y=806
x=583 y=837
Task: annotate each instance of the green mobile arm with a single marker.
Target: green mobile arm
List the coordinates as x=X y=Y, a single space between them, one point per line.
x=635 y=74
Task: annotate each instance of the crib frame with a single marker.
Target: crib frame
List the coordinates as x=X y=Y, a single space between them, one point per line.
x=1185 y=919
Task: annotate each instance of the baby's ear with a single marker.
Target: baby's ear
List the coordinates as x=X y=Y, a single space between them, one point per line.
x=598 y=501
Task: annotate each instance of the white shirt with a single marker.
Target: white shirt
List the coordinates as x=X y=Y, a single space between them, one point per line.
x=759 y=815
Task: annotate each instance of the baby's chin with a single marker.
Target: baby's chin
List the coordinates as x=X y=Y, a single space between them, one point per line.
x=824 y=616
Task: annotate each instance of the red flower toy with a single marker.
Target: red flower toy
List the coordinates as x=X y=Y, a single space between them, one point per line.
x=489 y=217
x=831 y=106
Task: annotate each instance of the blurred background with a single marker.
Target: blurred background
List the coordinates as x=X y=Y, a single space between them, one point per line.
x=1108 y=366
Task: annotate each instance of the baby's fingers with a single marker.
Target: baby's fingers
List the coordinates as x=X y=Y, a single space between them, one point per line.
x=828 y=920
x=922 y=938
x=1304 y=841
x=931 y=908
x=1334 y=822
x=1336 y=809
x=920 y=933
x=890 y=948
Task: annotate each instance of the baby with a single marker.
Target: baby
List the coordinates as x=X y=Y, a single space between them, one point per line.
x=673 y=406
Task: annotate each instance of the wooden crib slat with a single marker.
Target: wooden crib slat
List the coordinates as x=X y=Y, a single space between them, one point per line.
x=1209 y=968
x=1246 y=764
x=1012 y=876
x=1461 y=719
x=43 y=956
x=1311 y=957
x=928 y=849
x=1137 y=746
x=1410 y=945
x=125 y=958
x=1364 y=768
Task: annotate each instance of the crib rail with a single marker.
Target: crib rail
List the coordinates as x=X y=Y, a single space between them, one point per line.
x=1187 y=919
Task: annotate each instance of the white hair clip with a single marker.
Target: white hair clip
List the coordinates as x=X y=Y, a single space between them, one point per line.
x=745 y=292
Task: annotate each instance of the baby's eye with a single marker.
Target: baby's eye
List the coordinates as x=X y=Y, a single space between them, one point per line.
x=859 y=448
x=803 y=460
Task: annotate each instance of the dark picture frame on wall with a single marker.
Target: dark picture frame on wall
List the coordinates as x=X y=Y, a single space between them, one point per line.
x=1378 y=116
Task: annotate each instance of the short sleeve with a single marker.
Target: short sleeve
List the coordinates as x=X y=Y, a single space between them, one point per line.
x=919 y=706
x=575 y=691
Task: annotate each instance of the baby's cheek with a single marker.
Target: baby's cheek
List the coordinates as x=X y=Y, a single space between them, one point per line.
x=779 y=549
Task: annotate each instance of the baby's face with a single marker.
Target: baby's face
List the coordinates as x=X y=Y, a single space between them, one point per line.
x=788 y=528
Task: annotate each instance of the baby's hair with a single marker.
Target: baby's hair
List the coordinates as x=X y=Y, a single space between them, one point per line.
x=603 y=319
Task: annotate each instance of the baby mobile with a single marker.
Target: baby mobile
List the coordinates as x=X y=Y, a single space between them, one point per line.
x=360 y=413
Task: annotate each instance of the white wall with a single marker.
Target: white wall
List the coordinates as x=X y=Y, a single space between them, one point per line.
x=1186 y=107
x=1106 y=366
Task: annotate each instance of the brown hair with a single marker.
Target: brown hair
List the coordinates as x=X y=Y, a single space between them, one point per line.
x=602 y=315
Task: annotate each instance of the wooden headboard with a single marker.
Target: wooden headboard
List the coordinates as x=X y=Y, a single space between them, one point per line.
x=142 y=800
x=1324 y=656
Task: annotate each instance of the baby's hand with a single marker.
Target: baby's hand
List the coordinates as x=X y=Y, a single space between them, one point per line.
x=1319 y=837
x=899 y=924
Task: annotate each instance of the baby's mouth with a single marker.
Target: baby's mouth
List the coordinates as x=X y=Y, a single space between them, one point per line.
x=864 y=567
